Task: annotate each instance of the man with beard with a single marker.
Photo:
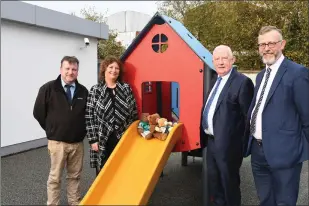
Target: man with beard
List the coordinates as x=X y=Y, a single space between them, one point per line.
x=60 y=110
x=278 y=123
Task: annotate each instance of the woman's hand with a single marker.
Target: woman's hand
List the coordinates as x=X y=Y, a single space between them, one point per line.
x=95 y=147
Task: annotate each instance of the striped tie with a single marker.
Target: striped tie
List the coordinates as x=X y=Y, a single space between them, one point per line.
x=253 y=120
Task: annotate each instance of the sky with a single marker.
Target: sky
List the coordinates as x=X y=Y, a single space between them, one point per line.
x=106 y=7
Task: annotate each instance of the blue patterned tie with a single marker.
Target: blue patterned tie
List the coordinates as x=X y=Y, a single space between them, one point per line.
x=206 y=111
x=68 y=92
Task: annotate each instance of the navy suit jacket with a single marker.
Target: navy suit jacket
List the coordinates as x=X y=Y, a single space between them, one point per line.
x=285 y=118
x=230 y=115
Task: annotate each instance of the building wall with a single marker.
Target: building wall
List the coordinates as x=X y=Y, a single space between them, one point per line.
x=125 y=38
x=126 y=24
x=30 y=56
x=127 y=21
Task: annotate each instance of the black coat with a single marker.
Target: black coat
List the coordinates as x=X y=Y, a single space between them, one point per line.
x=61 y=120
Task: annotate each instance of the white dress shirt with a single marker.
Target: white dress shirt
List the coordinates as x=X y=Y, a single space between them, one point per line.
x=274 y=68
x=212 y=108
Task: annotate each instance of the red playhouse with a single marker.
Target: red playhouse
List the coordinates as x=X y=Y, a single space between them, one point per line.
x=169 y=71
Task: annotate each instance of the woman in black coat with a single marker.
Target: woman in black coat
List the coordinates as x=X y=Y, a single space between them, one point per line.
x=111 y=108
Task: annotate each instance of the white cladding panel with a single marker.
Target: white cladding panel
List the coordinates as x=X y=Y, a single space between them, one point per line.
x=30 y=57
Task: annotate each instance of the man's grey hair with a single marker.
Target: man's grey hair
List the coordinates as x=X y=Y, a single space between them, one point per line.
x=266 y=29
x=229 y=50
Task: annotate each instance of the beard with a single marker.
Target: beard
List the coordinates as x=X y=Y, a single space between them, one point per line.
x=270 y=60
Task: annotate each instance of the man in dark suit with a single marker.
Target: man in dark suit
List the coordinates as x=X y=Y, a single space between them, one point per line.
x=222 y=128
x=278 y=123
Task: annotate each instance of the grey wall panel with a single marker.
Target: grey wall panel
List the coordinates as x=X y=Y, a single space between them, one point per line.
x=42 y=17
x=14 y=10
x=104 y=31
x=65 y=22
x=22 y=147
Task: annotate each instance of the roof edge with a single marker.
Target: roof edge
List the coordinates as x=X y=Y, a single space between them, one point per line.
x=22 y=12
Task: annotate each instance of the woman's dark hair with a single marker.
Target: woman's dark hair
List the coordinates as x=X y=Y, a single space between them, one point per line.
x=104 y=64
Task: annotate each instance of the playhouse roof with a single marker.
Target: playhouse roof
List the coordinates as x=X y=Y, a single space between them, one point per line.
x=183 y=33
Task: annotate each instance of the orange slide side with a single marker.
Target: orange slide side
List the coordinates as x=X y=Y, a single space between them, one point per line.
x=133 y=169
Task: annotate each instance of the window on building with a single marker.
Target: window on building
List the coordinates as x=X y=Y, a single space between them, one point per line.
x=159 y=43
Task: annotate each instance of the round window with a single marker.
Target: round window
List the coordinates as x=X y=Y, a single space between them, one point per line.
x=159 y=43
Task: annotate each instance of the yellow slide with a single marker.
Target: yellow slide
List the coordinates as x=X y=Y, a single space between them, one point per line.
x=133 y=169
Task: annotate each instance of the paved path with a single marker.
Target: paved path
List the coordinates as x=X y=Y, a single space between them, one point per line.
x=24 y=176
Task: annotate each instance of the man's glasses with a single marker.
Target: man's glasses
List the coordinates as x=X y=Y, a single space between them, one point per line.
x=269 y=44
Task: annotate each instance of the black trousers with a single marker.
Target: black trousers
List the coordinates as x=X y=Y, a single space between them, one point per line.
x=110 y=146
x=223 y=176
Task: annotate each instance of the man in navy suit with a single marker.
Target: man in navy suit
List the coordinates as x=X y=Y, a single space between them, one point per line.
x=278 y=123
x=222 y=128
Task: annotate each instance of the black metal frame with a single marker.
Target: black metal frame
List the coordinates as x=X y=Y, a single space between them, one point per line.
x=207 y=74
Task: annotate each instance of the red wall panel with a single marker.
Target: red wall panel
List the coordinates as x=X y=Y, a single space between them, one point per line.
x=166 y=100
x=177 y=64
x=149 y=103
